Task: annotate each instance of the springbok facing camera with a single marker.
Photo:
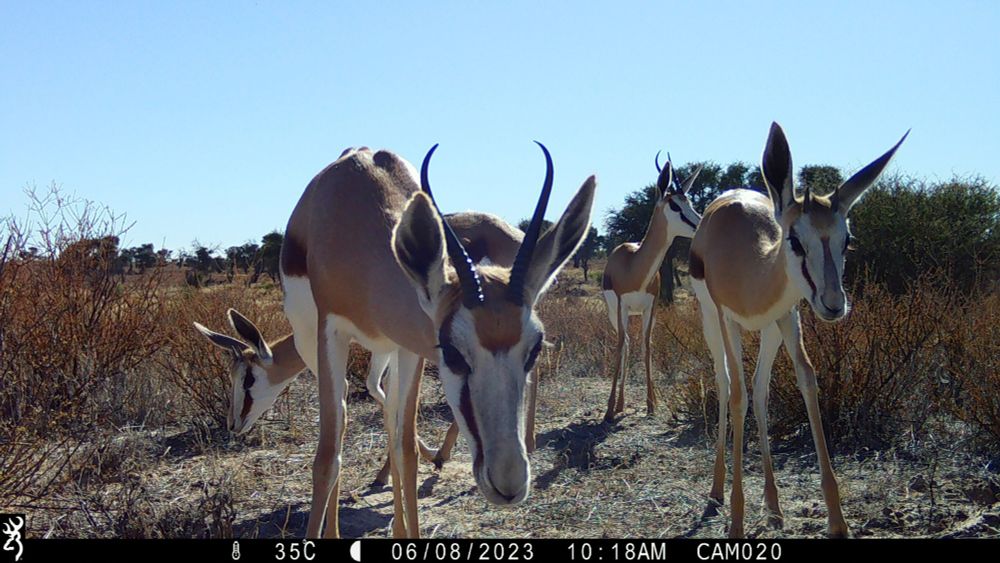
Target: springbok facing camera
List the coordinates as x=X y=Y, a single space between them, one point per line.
x=632 y=277
x=753 y=259
x=261 y=371
x=413 y=293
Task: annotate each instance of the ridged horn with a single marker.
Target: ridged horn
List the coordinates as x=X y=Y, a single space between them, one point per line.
x=515 y=291
x=468 y=278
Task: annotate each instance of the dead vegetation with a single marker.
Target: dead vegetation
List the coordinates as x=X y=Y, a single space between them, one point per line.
x=112 y=415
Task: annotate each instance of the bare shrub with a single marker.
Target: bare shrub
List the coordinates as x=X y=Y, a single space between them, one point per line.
x=71 y=332
x=972 y=382
x=875 y=369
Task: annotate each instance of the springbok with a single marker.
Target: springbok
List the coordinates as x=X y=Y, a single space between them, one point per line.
x=367 y=257
x=261 y=371
x=753 y=259
x=631 y=280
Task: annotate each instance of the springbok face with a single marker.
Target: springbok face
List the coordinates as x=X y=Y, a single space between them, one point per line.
x=256 y=381
x=682 y=219
x=488 y=333
x=815 y=228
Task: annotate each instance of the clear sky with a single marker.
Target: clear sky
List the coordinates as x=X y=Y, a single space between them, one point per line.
x=207 y=119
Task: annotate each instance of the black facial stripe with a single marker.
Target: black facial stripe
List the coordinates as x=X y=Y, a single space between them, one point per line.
x=465 y=406
x=674 y=206
x=805 y=272
x=451 y=356
x=248 y=381
x=688 y=221
x=533 y=355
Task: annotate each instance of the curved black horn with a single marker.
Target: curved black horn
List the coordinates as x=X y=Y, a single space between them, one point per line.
x=664 y=182
x=806 y=200
x=523 y=260
x=657 y=160
x=472 y=290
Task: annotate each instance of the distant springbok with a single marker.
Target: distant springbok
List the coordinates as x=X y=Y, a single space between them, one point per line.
x=753 y=259
x=367 y=257
x=261 y=370
x=632 y=277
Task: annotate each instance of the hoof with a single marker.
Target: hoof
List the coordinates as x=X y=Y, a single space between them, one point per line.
x=438 y=463
x=776 y=521
x=377 y=484
x=712 y=509
x=736 y=533
x=838 y=533
x=650 y=409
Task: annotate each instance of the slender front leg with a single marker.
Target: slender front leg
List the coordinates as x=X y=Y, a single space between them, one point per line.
x=713 y=339
x=332 y=378
x=623 y=376
x=770 y=341
x=732 y=342
x=444 y=454
x=647 y=352
x=401 y=417
x=622 y=329
x=791 y=331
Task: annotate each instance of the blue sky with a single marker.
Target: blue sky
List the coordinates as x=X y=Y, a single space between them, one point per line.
x=207 y=119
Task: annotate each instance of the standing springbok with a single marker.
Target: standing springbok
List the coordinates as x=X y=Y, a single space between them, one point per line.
x=367 y=257
x=632 y=277
x=753 y=259
x=261 y=371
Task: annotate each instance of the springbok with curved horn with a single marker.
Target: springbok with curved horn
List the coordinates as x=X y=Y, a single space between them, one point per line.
x=632 y=277
x=261 y=371
x=413 y=293
x=753 y=259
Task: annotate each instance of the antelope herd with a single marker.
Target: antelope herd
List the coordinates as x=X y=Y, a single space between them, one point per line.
x=368 y=257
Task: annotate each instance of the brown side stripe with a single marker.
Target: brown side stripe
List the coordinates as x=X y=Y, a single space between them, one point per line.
x=696 y=267
x=293 y=257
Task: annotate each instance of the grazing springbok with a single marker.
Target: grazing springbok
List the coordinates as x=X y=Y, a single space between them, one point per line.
x=753 y=259
x=632 y=277
x=367 y=257
x=261 y=371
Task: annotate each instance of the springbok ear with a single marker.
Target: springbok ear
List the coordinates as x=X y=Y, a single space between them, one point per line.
x=418 y=244
x=851 y=191
x=222 y=341
x=560 y=242
x=776 y=166
x=250 y=333
x=686 y=187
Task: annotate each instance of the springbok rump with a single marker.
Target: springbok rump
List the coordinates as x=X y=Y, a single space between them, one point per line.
x=631 y=280
x=262 y=370
x=753 y=259
x=368 y=258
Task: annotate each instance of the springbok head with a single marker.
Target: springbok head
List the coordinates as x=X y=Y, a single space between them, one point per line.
x=257 y=381
x=682 y=219
x=815 y=227
x=488 y=333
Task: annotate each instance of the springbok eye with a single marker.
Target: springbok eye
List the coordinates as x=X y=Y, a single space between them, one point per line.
x=797 y=247
x=533 y=356
x=848 y=243
x=454 y=360
x=673 y=205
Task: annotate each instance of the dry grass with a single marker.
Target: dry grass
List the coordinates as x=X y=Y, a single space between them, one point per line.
x=112 y=404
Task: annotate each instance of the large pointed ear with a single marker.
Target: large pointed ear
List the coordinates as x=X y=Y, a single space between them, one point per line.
x=560 y=242
x=418 y=244
x=851 y=191
x=236 y=347
x=686 y=186
x=776 y=167
x=251 y=334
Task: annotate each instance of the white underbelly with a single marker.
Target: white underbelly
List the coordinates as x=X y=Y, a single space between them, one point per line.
x=303 y=315
x=789 y=299
x=633 y=303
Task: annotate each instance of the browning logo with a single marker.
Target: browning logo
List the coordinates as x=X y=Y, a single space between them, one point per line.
x=12 y=526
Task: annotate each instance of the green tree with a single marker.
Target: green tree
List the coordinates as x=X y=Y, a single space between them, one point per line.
x=906 y=227
x=268 y=258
